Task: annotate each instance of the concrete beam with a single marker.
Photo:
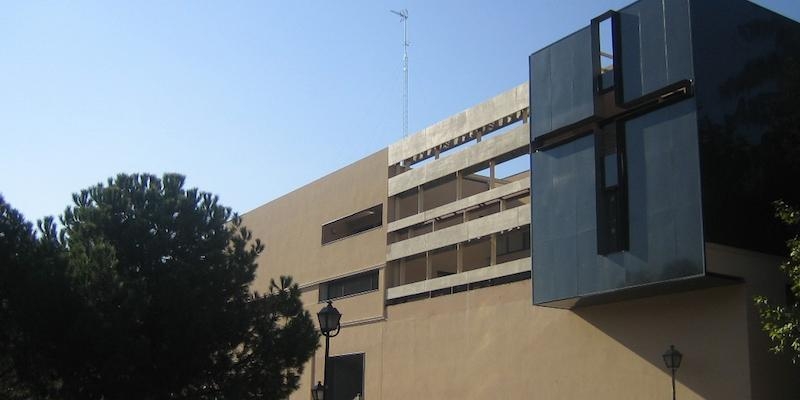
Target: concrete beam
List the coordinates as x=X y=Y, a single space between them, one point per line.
x=474 y=229
x=483 y=114
x=476 y=275
x=480 y=152
x=463 y=204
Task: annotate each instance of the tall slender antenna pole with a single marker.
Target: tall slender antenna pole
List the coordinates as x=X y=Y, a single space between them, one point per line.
x=404 y=18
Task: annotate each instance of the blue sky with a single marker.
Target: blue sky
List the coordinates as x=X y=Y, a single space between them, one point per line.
x=249 y=99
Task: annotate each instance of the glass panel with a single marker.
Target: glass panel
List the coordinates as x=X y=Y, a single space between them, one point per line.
x=477 y=254
x=483 y=211
x=610 y=169
x=514 y=244
x=562 y=83
x=517 y=201
x=447 y=222
x=444 y=262
x=347 y=377
x=353 y=224
x=656 y=46
x=350 y=285
x=415 y=269
x=563 y=208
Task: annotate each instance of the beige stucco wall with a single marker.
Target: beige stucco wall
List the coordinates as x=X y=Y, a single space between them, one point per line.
x=291 y=229
x=492 y=343
x=291 y=226
x=772 y=376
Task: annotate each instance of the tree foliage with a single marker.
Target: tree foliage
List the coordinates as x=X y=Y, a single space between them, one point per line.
x=782 y=323
x=145 y=294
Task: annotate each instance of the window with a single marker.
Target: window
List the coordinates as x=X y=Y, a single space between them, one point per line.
x=347 y=377
x=350 y=285
x=612 y=207
x=514 y=244
x=353 y=224
x=603 y=28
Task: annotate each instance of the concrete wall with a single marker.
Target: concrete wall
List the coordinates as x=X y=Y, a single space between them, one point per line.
x=492 y=343
x=772 y=376
x=291 y=226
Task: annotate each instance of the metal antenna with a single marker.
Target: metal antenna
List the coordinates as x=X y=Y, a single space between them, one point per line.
x=403 y=14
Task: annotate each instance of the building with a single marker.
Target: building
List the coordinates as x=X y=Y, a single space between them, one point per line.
x=658 y=136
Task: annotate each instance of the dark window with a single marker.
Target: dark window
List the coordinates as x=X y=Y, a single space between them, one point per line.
x=353 y=224
x=347 y=376
x=514 y=241
x=514 y=244
x=355 y=284
x=612 y=208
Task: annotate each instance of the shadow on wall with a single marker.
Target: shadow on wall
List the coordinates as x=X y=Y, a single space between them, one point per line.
x=708 y=326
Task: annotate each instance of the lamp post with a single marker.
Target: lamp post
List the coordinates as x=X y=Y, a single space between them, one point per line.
x=672 y=359
x=329 y=325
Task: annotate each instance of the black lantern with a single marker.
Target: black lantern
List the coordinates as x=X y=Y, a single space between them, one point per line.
x=318 y=392
x=672 y=359
x=329 y=318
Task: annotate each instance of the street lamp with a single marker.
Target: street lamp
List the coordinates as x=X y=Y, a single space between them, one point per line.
x=318 y=392
x=672 y=359
x=329 y=325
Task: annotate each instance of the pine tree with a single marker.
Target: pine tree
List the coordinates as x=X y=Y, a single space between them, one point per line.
x=155 y=300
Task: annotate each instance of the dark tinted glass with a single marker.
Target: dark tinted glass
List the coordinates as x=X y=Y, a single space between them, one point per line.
x=562 y=86
x=348 y=286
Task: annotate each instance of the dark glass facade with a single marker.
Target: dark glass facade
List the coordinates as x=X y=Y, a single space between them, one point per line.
x=567 y=96
x=690 y=144
x=747 y=64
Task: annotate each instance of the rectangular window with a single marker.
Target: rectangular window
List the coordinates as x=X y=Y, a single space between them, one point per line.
x=612 y=207
x=353 y=224
x=603 y=32
x=347 y=377
x=361 y=283
x=477 y=253
x=514 y=244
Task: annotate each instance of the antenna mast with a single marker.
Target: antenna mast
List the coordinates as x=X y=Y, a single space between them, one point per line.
x=403 y=14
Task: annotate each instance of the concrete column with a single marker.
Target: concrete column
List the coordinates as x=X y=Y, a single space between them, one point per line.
x=420 y=195
x=459 y=185
x=459 y=258
x=396 y=204
x=428 y=265
x=491 y=174
x=493 y=255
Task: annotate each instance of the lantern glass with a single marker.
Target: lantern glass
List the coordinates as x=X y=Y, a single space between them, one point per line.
x=318 y=392
x=329 y=318
x=672 y=358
